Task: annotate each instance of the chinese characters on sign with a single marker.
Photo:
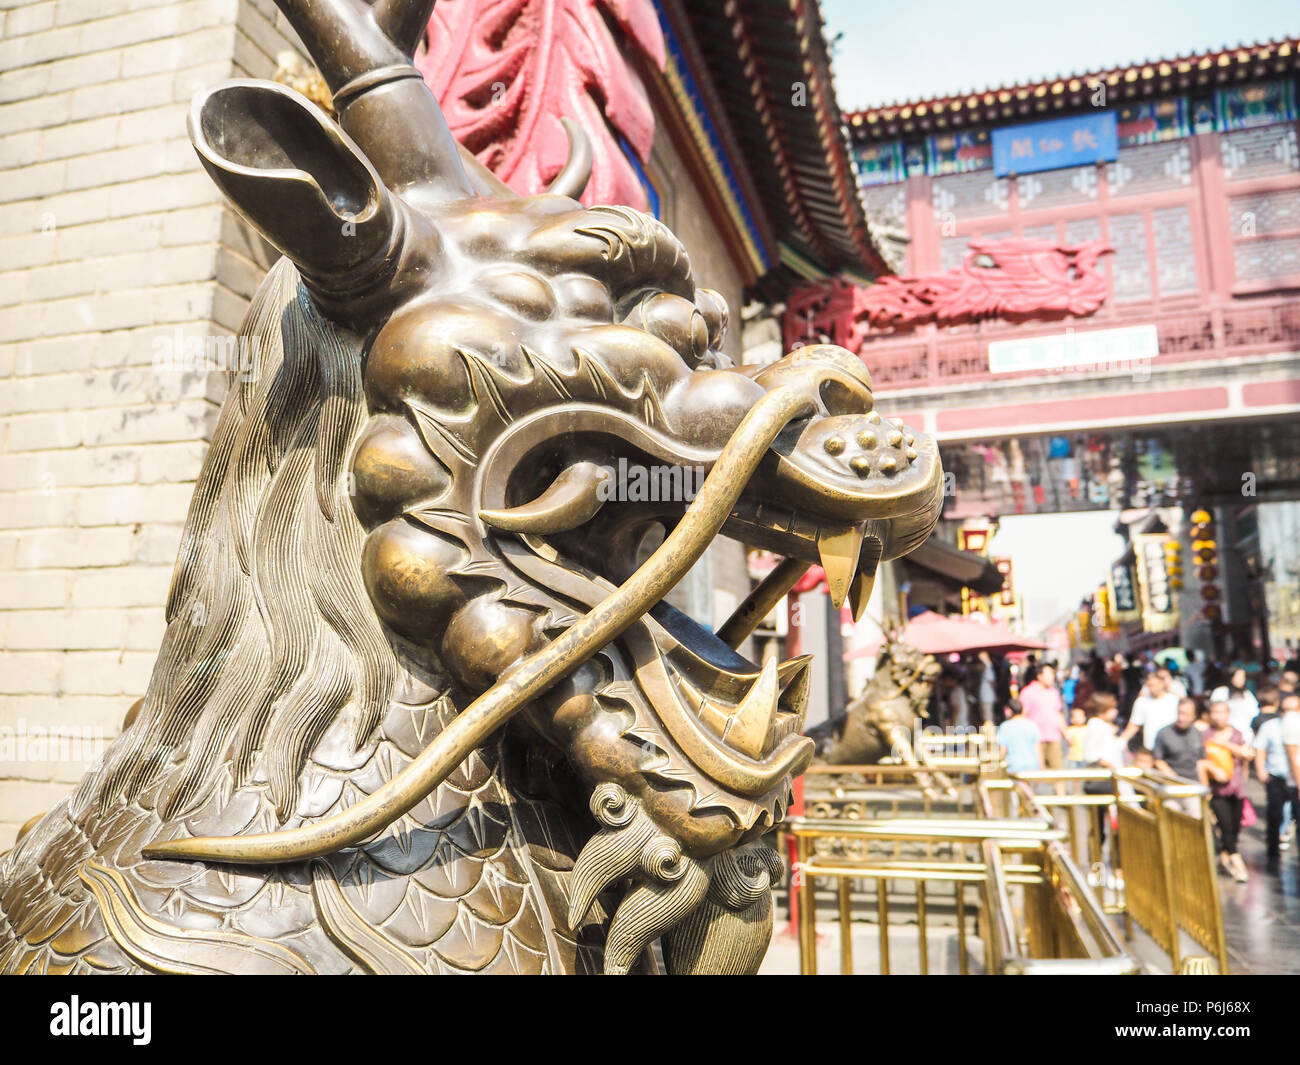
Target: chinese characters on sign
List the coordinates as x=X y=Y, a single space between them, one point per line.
x=1052 y=145
x=1123 y=595
x=1159 y=608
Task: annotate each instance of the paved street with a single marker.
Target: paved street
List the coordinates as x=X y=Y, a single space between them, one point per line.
x=1262 y=917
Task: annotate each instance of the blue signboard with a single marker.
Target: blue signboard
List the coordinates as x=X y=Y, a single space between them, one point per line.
x=1052 y=145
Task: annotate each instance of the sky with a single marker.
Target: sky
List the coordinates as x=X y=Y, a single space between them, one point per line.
x=1058 y=558
x=903 y=51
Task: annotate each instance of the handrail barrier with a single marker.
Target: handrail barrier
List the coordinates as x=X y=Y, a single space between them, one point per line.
x=1063 y=923
x=1160 y=868
x=887 y=838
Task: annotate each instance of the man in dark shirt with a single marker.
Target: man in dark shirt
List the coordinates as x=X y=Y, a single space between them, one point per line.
x=1180 y=752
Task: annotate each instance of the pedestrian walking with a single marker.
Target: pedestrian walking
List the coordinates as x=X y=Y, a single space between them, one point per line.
x=1044 y=707
x=1179 y=751
x=1242 y=703
x=1273 y=769
x=1020 y=740
x=1227 y=754
x=1155 y=708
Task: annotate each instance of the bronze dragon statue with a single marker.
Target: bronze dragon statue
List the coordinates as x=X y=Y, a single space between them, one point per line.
x=882 y=720
x=421 y=705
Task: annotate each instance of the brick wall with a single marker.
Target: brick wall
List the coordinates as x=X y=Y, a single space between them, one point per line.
x=113 y=244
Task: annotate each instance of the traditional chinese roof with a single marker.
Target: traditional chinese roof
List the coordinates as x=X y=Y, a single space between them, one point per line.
x=781 y=156
x=1150 y=79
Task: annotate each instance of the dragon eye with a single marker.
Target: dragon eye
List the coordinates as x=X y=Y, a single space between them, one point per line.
x=675 y=321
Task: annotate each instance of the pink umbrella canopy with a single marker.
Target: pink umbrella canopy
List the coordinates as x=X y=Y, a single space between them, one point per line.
x=938 y=635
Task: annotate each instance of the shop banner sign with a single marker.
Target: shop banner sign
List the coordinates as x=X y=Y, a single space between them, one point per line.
x=1159 y=607
x=1056 y=144
x=1123 y=593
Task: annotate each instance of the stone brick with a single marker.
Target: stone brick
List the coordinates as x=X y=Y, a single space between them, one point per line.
x=121 y=587
x=41 y=179
x=165 y=193
x=65 y=630
x=78 y=138
x=23 y=84
x=68 y=469
x=151 y=124
x=157 y=545
x=20 y=149
x=33 y=590
x=147 y=425
x=145 y=627
x=118 y=236
x=117 y=166
x=29 y=671
x=56 y=354
x=118 y=97
x=39 y=113
x=177 y=53
x=46 y=215
x=133 y=504
x=31 y=18
x=195 y=225
x=75 y=548
x=106 y=672
x=37 y=432
x=31 y=49
x=176 y=463
x=38 y=510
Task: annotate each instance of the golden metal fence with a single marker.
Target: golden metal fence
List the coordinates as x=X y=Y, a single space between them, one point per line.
x=1159 y=871
x=885 y=839
x=984 y=859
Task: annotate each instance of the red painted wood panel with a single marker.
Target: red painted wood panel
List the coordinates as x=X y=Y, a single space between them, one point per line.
x=1271 y=393
x=1068 y=412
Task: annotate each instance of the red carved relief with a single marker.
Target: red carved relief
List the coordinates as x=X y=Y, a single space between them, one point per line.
x=1013 y=279
x=506 y=72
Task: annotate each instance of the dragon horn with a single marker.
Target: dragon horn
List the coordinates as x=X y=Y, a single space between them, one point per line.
x=364 y=55
x=572 y=180
x=531 y=676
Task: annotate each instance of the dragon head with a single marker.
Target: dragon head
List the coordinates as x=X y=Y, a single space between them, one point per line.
x=519 y=355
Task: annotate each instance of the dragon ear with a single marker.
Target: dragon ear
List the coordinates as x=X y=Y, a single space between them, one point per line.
x=294 y=174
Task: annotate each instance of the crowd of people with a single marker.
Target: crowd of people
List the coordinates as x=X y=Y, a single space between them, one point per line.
x=1198 y=720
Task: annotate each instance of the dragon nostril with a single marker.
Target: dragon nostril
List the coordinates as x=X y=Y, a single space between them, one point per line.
x=861 y=465
x=834 y=445
x=867 y=439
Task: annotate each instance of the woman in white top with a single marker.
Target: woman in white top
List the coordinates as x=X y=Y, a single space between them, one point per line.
x=1242 y=704
x=1103 y=748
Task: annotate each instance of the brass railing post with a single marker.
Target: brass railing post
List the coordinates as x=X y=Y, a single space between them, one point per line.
x=807 y=908
x=1165 y=847
x=1221 y=944
x=846 y=926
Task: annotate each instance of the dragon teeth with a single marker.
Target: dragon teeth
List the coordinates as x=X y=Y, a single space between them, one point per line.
x=750 y=727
